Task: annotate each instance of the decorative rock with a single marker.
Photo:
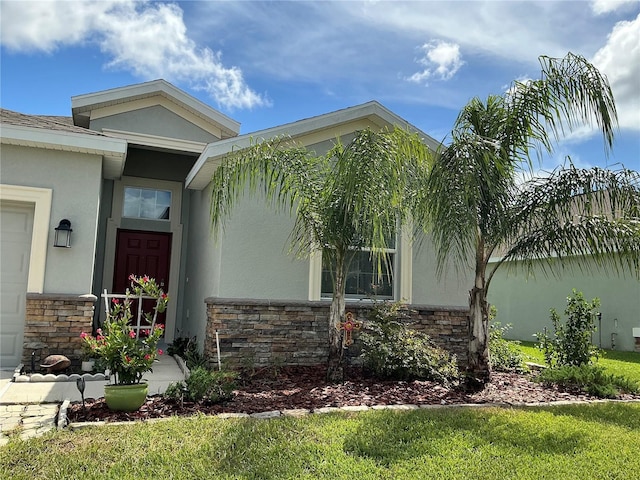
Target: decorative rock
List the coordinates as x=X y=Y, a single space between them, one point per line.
x=55 y=363
x=355 y=408
x=63 y=419
x=326 y=410
x=232 y=415
x=271 y=414
x=395 y=407
x=295 y=412
x=81 y=425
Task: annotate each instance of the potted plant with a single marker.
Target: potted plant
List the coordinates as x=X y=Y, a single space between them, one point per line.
x=126 y=354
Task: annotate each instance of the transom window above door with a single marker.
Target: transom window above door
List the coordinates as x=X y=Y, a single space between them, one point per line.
x=146 y=203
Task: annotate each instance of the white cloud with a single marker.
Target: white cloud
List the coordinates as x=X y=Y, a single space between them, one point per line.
x=600 y=7
x=47 y=25
x=619 y=60
x=147 y=39
x=441 y=61
x=515 y=31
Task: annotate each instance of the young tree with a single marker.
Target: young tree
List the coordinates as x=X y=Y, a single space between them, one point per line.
x=476 y=208
x=355 y=196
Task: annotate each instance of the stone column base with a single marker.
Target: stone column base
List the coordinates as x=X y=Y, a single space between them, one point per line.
x=53 y=325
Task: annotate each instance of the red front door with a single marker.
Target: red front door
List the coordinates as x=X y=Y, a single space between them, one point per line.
x=142 y=253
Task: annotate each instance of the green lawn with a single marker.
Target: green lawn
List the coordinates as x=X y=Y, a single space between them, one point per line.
x=626 y=364
x=568 y=442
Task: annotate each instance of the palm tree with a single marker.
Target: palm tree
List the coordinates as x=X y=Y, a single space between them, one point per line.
x=355 y=196
x=477 y=209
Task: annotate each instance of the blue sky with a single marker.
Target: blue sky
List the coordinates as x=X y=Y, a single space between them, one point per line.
x=268 y=63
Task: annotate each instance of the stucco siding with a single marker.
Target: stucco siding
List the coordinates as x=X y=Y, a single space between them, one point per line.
x=202 y=268
x=75 y=180
x=450 y=289
x=155 y=120
x=525 y=302
x=255 y=261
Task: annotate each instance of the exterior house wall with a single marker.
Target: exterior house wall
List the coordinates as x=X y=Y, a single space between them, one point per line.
x=271 y=332
x=251 y=260
x=202 y=267
x=452 y=288
x=525 y=302
x=255 y=261
x=155 y=120
x=67 y=270
x=55 y=316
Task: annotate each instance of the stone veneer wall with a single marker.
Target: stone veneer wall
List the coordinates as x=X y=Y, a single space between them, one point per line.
x=53 y=325
x=263 y=332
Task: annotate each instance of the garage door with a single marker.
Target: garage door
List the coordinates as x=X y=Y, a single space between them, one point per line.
x=16 y=225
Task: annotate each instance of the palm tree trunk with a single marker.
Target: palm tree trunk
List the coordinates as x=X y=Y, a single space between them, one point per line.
x=335 y=367
x=478 y=369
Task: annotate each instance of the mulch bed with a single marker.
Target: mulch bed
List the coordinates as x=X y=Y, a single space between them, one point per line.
x=306 y=388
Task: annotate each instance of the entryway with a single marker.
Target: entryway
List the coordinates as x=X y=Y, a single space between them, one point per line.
x=142 y=253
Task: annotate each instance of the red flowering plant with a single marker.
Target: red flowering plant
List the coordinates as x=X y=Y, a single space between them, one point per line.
x=129 y=356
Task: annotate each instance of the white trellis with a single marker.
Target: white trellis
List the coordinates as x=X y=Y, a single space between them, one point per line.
x=108 y=298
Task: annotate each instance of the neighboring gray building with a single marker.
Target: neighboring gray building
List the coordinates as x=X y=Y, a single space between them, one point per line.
x=131 y=171
x=525 y=302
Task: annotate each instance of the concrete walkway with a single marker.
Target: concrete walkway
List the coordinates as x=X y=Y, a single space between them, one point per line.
x=31 y=408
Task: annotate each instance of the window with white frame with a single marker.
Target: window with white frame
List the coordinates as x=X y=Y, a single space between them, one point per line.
x=365 y=277
x=146 y=203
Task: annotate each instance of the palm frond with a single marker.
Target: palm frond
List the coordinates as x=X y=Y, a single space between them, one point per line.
x=570 y=93
x=283 y=170
x=586 y=213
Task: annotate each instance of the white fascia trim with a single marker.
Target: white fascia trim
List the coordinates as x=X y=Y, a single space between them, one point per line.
x=406 y=264
x=90 y=101
x=156 y=141
x=41 y=198
x=315 y=275
x=61 y=140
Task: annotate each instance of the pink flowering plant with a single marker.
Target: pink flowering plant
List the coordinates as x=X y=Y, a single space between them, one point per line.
x=129 y=356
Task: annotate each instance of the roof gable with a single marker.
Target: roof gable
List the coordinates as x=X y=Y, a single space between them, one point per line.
x=157 y=92
x=308 y=132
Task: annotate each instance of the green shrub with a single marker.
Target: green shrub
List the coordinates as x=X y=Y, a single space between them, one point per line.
x=187 y=348
x=391 y=350
x=571 y=344
x=204 y=385
x=591 y=379
x=504 y=355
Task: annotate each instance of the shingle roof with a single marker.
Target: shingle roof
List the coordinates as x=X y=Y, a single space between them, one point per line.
x=48 y=122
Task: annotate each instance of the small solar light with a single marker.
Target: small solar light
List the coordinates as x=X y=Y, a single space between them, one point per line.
x=80 y=384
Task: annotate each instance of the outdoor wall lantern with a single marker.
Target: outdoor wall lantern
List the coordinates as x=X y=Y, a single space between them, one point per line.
x=63 y=234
